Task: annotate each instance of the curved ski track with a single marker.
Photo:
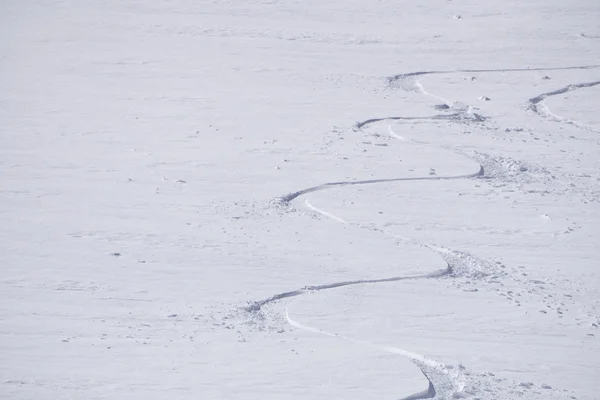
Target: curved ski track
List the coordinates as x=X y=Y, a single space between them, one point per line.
x=537 y=105
x=408 y=82
x=442 y=381
x=453 y=71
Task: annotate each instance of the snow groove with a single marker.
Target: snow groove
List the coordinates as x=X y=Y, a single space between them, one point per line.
x=435 y=372
x=291 y=196
x=538 y=106
x=429 y=367
x=443 y=381
x=401 y=77
x=458 y=116
x=409 y=82
x=588 y=36
x=257 y=305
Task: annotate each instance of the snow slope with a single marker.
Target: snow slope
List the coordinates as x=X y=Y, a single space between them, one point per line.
x=284 y=200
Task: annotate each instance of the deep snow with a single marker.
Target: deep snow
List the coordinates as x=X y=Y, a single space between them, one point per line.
x=159 y=240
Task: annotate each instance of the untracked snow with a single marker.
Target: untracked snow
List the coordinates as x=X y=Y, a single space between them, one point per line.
x=300 y=200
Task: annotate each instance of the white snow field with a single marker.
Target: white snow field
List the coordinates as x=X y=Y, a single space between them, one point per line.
x=280 y=199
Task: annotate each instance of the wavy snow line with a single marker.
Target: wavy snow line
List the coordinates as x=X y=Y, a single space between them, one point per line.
x=257 y=305
x=362 y=124
x=394 y=78
x=538 y=106
x=464 y=113
x=428 y=367
x=419 y=359
x=463 y=116
x=291 y=196
x=389 y=349
x=325 y=213
x=409 y=82
x=394 y=134
x=426 y=93
x=433 y=370
x=448 y=382
x=459 y=263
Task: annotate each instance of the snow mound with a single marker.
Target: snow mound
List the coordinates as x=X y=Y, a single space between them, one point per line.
x=466 y=265
x=511 y=170
x=531 y=178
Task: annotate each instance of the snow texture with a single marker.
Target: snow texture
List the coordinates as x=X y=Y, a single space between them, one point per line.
x=284 y=200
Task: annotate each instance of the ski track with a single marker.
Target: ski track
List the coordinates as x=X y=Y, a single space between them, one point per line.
x=537 y=104
x=444 y=381
x=423 y=362
x=397 y=77
x=435 y=372
x=458 y=116
x=409 y=82
x=394 y=134
x=588 y=36
x=289 y=197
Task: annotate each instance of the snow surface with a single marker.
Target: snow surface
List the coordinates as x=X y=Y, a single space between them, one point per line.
x=300 y=200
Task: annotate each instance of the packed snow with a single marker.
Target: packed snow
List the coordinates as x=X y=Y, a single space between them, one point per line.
x=300 y=200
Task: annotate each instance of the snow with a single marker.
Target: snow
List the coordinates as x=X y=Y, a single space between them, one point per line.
x=281 y=199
